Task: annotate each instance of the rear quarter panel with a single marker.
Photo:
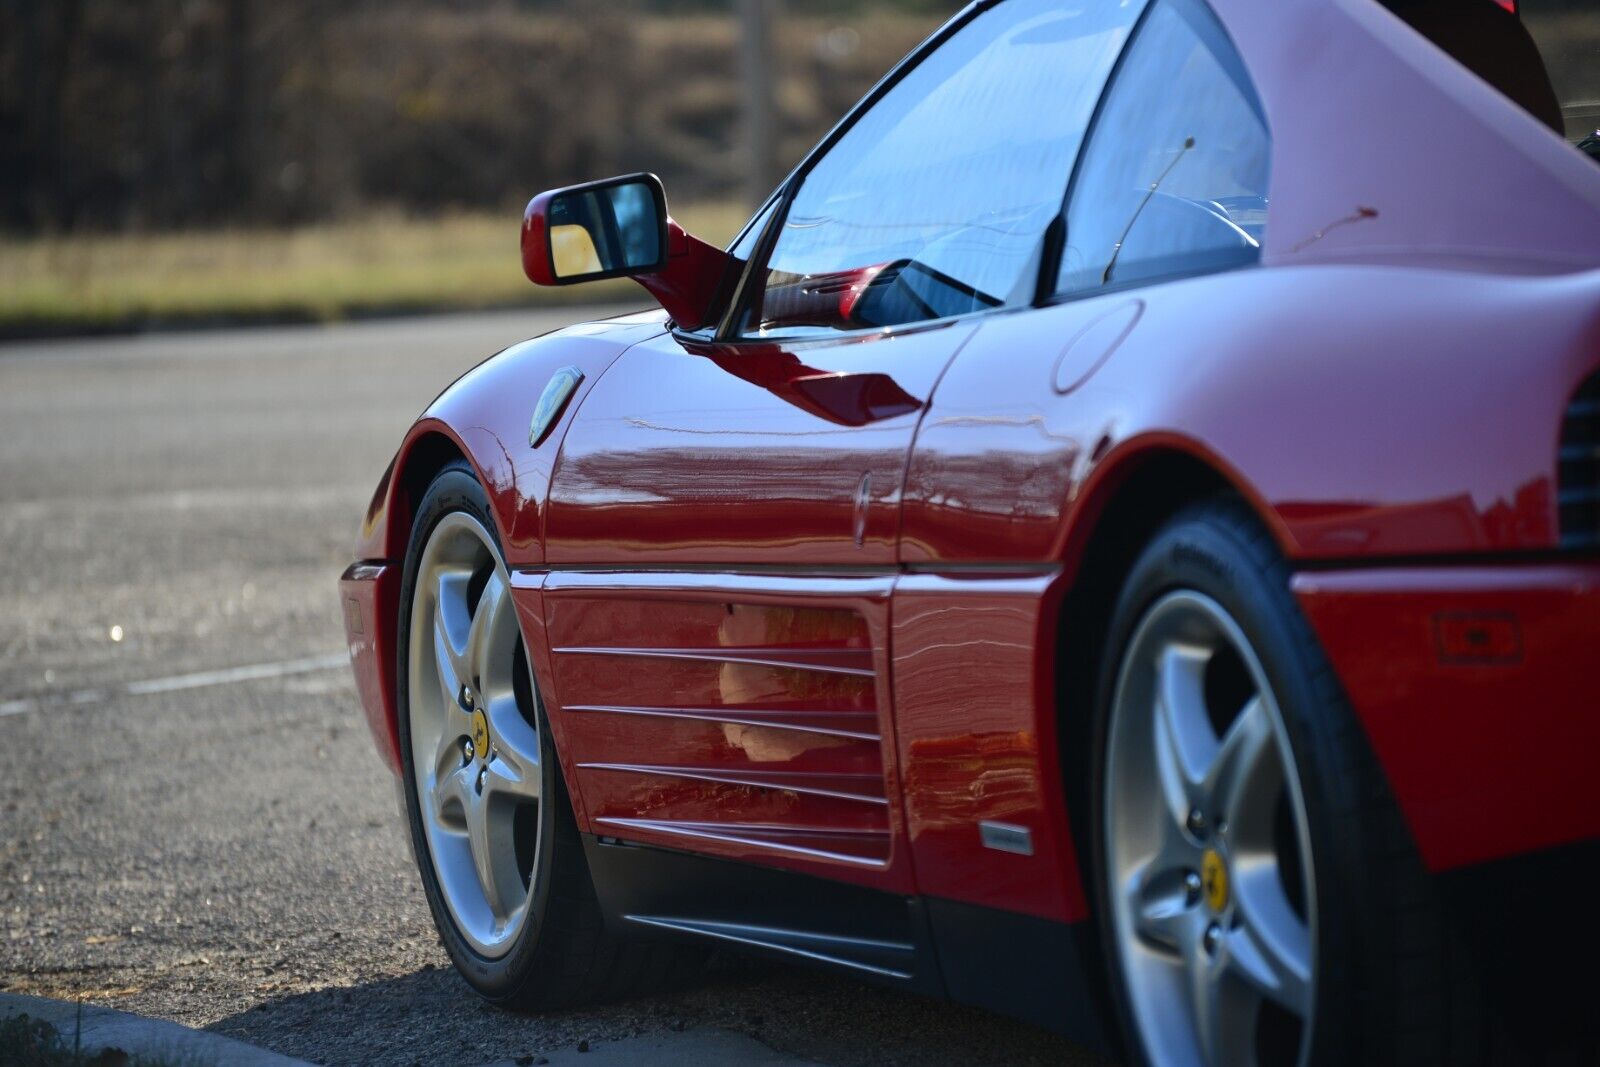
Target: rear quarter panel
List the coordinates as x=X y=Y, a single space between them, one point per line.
x=1368 y=412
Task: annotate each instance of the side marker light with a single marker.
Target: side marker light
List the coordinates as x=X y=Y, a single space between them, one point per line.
x=1477 y=638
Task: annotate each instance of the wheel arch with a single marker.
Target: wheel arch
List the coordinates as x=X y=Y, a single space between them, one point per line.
x=1132 y=491
x=1129 y=496
x=427 y=450
x=419 y=463
x=384 y=536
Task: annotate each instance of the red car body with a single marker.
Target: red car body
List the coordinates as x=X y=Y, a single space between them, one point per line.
x=860 y=566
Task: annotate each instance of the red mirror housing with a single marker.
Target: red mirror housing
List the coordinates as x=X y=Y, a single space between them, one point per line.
x=691 y=285
x=536 y=262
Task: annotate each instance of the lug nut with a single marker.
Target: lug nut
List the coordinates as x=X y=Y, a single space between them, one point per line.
x=1196 y=822
x=1213 y=936
x=483 y=776
x=1191 y=888
x=464 y=698
x=467 y=750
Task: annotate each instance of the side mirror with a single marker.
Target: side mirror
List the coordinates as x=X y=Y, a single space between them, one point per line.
x=619 y=228
x=610 y=229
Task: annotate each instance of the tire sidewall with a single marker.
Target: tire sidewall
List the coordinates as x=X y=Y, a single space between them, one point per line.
x=456 y=489
x=1219 y=551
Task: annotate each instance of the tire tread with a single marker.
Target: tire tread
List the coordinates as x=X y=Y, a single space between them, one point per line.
x=1405 y=993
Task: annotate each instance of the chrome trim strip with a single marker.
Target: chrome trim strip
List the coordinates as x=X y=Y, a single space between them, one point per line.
x=690 y=831
x=771 y=938
x=781 y=584
x=753 y=657
x=739 y=717
x=779 y=781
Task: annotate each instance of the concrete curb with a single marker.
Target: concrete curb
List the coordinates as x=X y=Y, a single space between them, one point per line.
x=136 y=1035
x=710 y=1047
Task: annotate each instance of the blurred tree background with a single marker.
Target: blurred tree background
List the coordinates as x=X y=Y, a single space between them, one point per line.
x=173 y=114
x=172 y=161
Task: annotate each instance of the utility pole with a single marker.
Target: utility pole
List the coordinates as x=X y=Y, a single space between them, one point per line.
x=239 y=197
x=760 y=116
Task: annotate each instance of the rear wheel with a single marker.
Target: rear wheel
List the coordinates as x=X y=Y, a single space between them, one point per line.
x=499 y=853
x=1208 y=858
x=1258 y=898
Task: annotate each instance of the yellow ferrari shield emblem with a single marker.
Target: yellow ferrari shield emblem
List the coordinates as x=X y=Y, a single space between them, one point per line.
x=1214 y=880
x=480 y=734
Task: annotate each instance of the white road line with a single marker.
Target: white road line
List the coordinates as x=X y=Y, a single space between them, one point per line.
x=226 y=676
x=239 y=674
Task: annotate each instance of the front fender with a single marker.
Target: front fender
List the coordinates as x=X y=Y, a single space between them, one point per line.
x=484 y=417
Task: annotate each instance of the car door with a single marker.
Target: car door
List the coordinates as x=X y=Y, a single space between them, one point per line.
x=722 y=527
x=1168 y=197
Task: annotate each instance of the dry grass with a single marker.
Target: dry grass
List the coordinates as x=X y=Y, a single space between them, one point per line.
x=313 y=274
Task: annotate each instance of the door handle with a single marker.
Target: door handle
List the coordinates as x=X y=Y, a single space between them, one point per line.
x=863 y=503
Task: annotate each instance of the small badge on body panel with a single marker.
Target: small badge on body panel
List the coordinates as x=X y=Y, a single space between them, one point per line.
x=1004 y=837
x=562 y=384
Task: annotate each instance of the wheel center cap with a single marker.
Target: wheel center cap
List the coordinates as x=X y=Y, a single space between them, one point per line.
x=1214 y=880
x=480 y=734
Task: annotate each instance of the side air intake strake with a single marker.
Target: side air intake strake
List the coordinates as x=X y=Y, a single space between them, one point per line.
x=1579 y=480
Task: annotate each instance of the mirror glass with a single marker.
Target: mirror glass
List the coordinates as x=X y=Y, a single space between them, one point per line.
x=601 y=230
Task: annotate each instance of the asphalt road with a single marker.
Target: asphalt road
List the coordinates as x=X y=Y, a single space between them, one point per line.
x=193 y=822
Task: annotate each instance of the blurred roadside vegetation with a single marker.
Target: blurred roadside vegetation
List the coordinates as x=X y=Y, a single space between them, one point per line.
x=206 y=159
x=376 y=263
x=174 y=160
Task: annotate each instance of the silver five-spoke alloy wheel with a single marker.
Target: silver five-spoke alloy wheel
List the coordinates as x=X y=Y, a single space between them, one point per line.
x=1207 y=848
x=475 y=748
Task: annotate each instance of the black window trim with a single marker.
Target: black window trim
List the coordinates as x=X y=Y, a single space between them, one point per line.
x=774 y=202
x=1232 y=62
x=754 y=216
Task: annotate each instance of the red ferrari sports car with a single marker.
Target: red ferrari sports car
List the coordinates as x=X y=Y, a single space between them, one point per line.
x=1115 y=539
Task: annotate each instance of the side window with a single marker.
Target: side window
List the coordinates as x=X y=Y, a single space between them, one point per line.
x=936 y=201
x=744 y=246
x=1173 y=179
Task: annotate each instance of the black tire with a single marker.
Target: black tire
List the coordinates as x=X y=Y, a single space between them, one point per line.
x=565 y=955
x=1393 y=986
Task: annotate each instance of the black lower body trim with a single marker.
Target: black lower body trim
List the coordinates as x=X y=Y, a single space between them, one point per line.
x=656 y=892
x=1018 y=965
x=1524 y=921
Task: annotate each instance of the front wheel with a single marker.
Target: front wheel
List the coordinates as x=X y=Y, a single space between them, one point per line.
x=496 y=844
x=1258 y=901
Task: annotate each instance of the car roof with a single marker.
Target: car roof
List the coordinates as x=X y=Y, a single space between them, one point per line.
x=1384 y=147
